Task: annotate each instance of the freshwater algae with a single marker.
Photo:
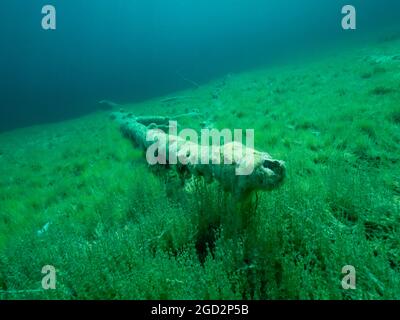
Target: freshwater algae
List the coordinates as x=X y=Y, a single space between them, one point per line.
x=80 y=197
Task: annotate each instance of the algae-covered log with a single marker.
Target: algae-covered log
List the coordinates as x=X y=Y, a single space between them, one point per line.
x=238 y=168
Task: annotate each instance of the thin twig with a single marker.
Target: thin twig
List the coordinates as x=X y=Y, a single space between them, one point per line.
x=188 y=80
x=169 y=99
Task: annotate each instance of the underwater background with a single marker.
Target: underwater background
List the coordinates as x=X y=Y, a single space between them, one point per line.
x=77 y=195
x=130 y=51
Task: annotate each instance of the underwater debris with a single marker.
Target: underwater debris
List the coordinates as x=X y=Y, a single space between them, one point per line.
x=194 y=83
x=291 y=127
x=110 y=104
x=267 y=173
x=382 y=59
x=172 y=99
x=208 y=124
x=44 y=229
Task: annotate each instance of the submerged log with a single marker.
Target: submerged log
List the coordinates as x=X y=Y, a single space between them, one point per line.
x=248 y=169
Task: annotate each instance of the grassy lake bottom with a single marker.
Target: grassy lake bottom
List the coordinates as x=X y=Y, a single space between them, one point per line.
x=79 y=196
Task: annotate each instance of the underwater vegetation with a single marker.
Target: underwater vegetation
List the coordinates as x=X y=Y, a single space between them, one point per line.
x=80 y=197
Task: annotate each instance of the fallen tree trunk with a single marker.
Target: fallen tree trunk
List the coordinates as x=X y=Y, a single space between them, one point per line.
x=266 y=174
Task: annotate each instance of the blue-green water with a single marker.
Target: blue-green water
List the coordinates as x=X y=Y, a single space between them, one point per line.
x=133 y=50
